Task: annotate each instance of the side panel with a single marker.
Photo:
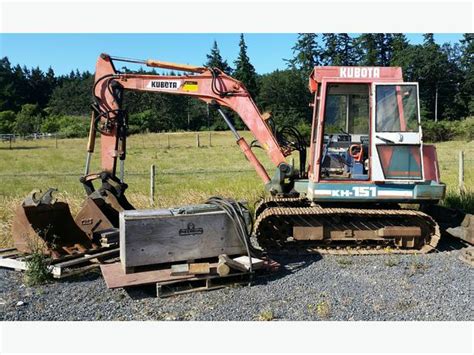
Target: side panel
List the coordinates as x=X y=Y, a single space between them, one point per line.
x=371 y=192
x=430 y=163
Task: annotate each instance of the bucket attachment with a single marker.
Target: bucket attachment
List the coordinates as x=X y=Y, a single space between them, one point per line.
x=100 y=212
x=42 y=224
x=455 y=222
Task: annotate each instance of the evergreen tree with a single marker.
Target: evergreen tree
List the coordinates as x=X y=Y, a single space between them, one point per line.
x=399 y=47
x=467 y=66
x=431 y=74
x=338 y=49
x=73 y=96
x=345 y=50
x=7 y=86
x=428 y=39
x=367 y=46
x=306 y=53
x=244 y=70
x=384 y=45
x=215 y=60
x=330 y=48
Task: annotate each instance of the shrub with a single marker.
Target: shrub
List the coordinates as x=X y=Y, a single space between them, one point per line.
x=463 y=201
x=28 y=120
x=51 y=124
x=7 y=122
x=67 y=126
x=37 y=272
x=448 y=130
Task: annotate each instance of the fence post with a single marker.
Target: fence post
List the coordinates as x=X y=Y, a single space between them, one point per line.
x=210 y=139
x=168 y=138
x=197 y=140
x=152 y=184
x=10 y=141
x=56 y=139
x=461 y=171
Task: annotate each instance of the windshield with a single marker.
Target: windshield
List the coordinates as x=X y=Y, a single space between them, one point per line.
x=397 y=108
x=347 y=109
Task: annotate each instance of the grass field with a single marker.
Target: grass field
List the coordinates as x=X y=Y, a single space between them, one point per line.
x=184 y=172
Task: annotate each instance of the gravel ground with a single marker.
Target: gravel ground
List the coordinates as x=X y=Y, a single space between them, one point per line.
x=411 y=287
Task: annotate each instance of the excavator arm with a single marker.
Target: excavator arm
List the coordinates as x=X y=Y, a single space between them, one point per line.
x=207 y=84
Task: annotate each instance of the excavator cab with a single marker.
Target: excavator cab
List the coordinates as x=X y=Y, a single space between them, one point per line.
x=366 y=144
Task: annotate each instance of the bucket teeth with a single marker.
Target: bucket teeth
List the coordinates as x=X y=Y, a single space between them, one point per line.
x=32 y=200
x=47 y=198
x=36 y=198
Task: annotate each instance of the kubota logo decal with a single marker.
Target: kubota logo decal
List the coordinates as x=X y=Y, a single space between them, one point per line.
x=355 y=72
x=164 y=84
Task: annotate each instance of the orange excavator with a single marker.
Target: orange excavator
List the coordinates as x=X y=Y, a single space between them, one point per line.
x=366 y=159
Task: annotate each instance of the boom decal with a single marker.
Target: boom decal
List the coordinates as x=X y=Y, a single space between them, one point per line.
x=164 y=84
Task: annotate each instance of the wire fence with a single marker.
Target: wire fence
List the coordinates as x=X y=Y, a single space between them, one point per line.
x=147 y=173
x=170 y=140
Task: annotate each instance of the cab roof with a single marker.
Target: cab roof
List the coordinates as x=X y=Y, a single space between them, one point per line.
x=349 y=74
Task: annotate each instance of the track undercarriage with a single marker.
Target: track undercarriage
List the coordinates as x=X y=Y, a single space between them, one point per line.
x=294 y=224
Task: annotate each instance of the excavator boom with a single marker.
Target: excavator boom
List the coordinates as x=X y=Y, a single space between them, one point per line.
x=206 y=84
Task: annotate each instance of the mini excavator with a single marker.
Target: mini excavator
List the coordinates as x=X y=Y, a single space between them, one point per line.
x=366 y=158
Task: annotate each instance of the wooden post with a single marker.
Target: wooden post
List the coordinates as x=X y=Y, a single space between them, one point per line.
x=210 y=139
x=152 y=185
x=168 y=139
x=436 y=103
x=461 y=171
x=197 y=140
x=56 y=139
x=10 y=141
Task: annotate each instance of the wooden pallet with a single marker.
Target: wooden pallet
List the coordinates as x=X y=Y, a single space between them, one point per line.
x=11 y=258
x=202 y=283
x=168 y=284
x=62 y=267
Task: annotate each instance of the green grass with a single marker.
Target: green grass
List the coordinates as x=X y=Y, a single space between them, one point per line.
x=184 y=173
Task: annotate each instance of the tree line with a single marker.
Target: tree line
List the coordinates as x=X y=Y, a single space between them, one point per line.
x=35 y=101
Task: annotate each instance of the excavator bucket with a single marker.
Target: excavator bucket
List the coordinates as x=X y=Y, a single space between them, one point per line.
x=455 y=222
x=43 y=224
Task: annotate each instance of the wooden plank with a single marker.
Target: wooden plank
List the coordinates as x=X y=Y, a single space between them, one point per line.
x=199 y=268
x=245 y=260
x=78 y=255
x=13 y=264
x=232 y=264
x=57 y=270
x=75 y=271
x=179 y=287
x=179 y=269
x=6 y=249
x=115 y=276
x=13 y=255
x=87 y=258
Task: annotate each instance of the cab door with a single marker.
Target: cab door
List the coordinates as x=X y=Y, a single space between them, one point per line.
x=396 y=143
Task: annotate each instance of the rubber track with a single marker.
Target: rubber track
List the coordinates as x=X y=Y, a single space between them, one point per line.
x=286 y=201
x=356 y=250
